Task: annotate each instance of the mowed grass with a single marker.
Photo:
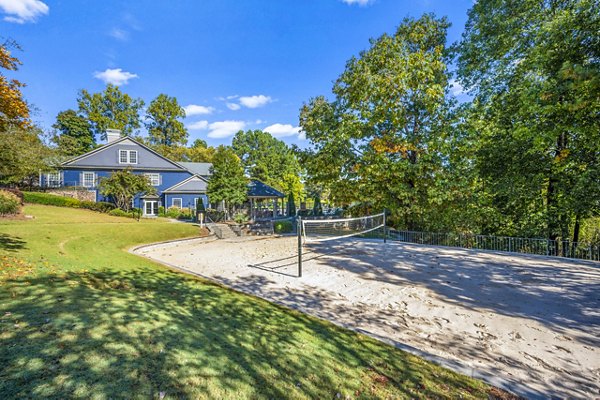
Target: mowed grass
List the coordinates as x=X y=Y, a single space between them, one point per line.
x=82 y=318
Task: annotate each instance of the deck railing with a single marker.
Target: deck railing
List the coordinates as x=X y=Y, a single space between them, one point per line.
x=546 y=247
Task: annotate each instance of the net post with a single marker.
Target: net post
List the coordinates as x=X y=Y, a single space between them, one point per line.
x=299 y=230
x=384 y=227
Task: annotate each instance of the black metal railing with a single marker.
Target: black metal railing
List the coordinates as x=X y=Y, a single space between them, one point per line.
x=546 y=247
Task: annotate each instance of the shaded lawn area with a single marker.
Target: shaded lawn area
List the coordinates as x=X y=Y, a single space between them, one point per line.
x=82 y=318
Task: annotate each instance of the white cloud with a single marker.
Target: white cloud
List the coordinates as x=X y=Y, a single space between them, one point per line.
x=255 y=101
x=233 y=106
x=282 y=130
x=225 y=129
x=194 y=109
x=358 y=2
x=119 y=34
x=456 y=88
x=198 y=125
x=22 y=11
x=116 y=76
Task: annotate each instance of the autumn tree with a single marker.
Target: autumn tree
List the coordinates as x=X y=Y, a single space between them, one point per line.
x=110 y=109
x=199 y=151
x=73 y=134
x=382 y=137
x=534 y=70
x=13 y=108
x=164 y=124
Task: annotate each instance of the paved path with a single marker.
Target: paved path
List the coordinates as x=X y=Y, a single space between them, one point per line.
x=528 y=324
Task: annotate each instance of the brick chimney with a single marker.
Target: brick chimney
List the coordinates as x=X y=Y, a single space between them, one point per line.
x=112 y=135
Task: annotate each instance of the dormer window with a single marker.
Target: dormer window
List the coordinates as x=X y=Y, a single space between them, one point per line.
x=128 y=157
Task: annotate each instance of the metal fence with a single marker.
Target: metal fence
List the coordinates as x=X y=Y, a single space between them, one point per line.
x=554 y=248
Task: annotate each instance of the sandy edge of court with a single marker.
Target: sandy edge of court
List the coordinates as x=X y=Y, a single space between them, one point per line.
x=226 y=262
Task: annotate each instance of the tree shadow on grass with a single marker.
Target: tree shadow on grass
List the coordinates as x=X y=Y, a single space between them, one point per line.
x=148 y=333
x=11 y=243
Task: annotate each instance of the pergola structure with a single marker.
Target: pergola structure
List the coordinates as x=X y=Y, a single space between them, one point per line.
x=264 y=201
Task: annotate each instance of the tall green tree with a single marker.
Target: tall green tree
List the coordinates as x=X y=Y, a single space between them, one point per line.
x=228 y=182
x=23 y=155
x=123 y=186
x=197 y=152
x=73 y=134
x=383 y=137
x=534 y=69
x=164 y=125
x=267 y=159
x=110 y=109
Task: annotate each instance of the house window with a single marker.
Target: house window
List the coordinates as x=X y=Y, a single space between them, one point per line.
x=53 y=179
x=88 y=179
x=132 y=157
x=128 y=157
x=177 y=203
x=154 y=179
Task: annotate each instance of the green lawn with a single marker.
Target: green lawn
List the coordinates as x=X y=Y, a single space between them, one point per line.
x=82 y=318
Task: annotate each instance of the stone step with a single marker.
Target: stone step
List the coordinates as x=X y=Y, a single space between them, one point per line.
x=222 y=231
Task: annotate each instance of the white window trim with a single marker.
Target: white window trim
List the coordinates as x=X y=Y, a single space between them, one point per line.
x=128 y=157
x=83 y=180
x=180 y=201
x=156 y=175
x=136 y=156
x=50 y=182
x=123 y=152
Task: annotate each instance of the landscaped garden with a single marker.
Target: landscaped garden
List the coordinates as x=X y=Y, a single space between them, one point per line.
x=82 y=317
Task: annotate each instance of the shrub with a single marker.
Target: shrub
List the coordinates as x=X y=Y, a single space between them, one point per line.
x=161 y=210
x=100 y=206
x=173 y=212
x=9 y=203
x=117 y=212
x=50 y=199
x=240 y=218
x=60 y=201
x=283 y=226
x=185 y=214
x=16 y=192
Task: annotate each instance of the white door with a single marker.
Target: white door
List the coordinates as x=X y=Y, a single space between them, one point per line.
x=150 y=207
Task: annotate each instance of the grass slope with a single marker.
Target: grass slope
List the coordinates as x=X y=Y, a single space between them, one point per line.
x=81 y=318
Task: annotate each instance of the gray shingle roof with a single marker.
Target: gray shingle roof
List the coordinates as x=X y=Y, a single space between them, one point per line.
x=198 y=168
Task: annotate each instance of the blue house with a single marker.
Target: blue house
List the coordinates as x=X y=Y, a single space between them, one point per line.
x=177 y=184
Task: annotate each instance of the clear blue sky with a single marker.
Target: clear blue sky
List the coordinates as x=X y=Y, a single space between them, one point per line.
x=234 y=63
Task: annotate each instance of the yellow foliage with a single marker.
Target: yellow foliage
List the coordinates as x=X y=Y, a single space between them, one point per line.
x=13 y=109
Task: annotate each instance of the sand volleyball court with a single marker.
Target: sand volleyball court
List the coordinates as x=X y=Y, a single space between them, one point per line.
x=528 y=324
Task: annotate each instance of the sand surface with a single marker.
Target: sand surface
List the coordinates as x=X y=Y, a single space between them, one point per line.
x=527 y=324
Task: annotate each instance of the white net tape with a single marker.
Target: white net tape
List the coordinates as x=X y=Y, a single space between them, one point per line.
x=319 y=230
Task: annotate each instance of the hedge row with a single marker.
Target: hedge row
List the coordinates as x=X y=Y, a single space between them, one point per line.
x=60 y=201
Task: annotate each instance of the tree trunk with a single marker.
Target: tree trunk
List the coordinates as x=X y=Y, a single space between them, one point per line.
x=553 y=220
x=576 y=230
